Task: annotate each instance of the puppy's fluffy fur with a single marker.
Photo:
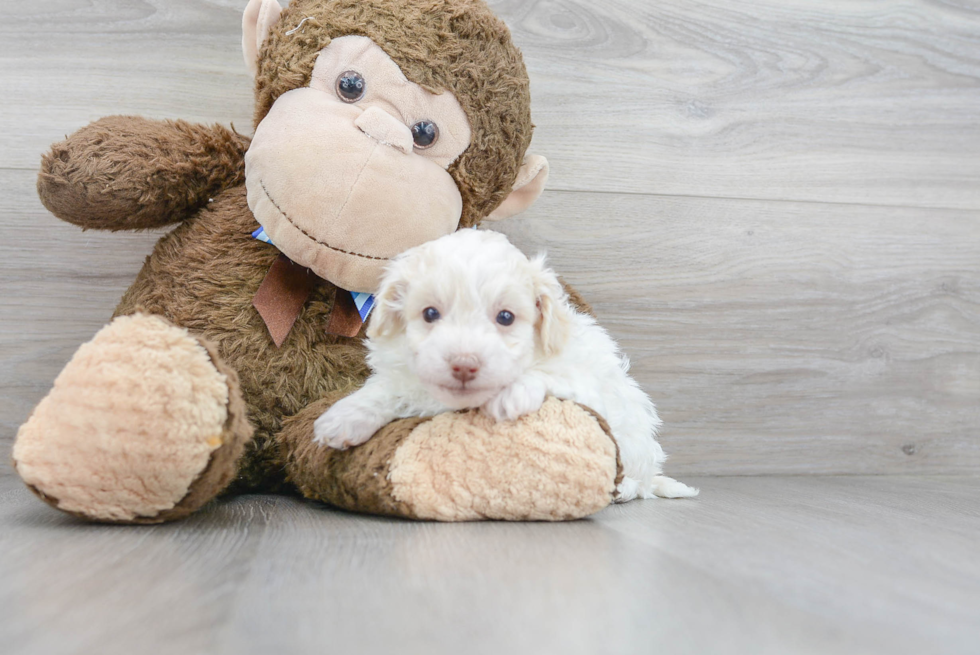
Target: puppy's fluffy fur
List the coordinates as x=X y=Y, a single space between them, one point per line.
x=441 y=338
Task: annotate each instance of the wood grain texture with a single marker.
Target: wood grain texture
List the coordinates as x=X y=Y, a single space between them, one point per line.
x=755 y=565
x=66 y=63
x=857 y=102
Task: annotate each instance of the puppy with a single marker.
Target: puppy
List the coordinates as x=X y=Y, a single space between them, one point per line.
x=468 y=321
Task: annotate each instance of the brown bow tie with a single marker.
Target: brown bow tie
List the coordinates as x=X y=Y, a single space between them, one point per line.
x=284 y=291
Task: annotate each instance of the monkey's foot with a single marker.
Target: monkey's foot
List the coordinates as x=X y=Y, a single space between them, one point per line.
x=145 y=424
x=557 y=463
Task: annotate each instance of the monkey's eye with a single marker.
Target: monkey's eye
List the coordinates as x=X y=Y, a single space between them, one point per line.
x=505 y=318
x=350 y=86
x=431 y=314
x=424 y=133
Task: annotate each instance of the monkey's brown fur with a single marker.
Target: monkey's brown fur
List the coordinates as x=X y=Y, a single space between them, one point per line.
x=134 y=173
x=126 y=173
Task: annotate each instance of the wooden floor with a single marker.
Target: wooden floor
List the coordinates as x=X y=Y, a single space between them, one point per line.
x=774 y=206
x=756 y=565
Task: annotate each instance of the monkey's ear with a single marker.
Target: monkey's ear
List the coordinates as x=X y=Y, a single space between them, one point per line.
x=258 y=19
x=527 y=187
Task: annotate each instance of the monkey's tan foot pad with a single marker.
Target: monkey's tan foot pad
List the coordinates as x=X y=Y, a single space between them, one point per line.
x=556 y=464
x=145 y=424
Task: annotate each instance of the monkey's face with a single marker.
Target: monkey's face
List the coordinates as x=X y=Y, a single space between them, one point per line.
x=352 y=170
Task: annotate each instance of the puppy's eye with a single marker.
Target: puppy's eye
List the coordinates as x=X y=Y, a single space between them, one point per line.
x=431 y=314
x=350 y=86
x=505 y=318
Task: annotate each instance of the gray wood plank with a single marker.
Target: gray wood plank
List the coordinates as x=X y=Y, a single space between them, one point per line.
x=65 y=63
x=774 y=337
x=841 y=102
x=755 y=565
x=833 y=101
x=72 y=587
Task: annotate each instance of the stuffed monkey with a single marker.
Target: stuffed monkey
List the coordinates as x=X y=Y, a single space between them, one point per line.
x=379 y=125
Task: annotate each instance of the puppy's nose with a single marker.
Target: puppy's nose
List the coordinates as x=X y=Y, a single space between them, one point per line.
x=465 y=367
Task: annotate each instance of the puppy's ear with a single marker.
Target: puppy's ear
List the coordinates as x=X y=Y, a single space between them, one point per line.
x=388 y=315
x=554 y=321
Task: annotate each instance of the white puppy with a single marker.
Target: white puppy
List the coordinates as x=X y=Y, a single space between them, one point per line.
x=468 y=321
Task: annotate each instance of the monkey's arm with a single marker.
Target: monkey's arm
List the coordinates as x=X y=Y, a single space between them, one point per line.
x=131 y=173
x=574 y=297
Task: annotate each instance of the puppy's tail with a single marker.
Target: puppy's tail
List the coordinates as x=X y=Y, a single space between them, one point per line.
x=664 y=487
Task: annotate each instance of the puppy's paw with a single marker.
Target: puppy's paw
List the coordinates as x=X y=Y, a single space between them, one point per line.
x=627 y=490
x=663 y=487
x=659 y=486
x=344 y=425
x=524 y=396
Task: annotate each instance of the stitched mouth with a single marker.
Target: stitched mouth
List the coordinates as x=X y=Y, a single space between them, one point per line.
x=310 y=236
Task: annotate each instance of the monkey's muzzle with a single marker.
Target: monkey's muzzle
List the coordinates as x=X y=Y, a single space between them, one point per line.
x=338 y=191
